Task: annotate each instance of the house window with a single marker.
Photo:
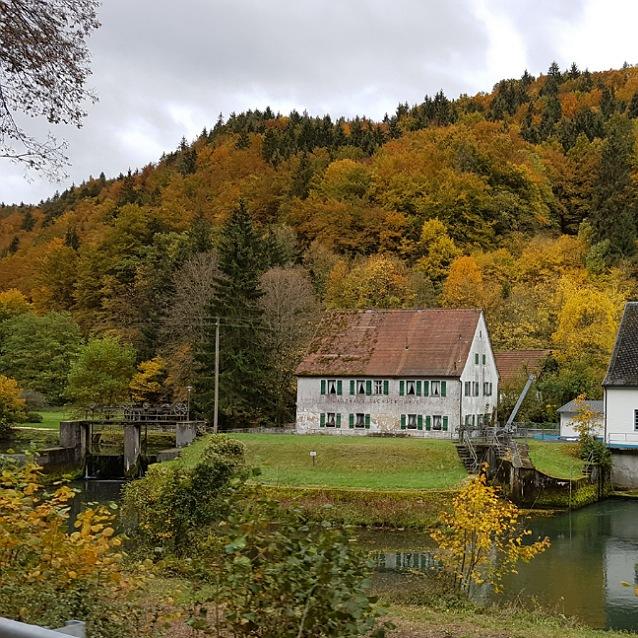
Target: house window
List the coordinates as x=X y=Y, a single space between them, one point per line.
x=332 y=386
x=468 y=419
x=484 y=359
x=378 y=386
x=437 y=421
x=410 y=388
x=468 y=388
x=360 y=420
x=412 y=422
x=436 y=388
x=487 y=389
x=476 y=358
x=331 y=420
x=636 y=420
x=475 y=388
x=479 y=420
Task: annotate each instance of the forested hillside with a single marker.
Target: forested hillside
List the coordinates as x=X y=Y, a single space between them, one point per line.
x=521 y=201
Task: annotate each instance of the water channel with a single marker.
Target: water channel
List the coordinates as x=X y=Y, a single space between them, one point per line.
x=589 y=572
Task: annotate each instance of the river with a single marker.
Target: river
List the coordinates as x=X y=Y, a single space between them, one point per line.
x=589 y=572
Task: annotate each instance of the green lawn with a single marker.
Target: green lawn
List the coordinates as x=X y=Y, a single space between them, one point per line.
x=556 y=458
x=349 y=461
x=50 y=419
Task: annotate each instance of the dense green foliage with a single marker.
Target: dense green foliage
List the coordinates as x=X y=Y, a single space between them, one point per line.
x=101 y=373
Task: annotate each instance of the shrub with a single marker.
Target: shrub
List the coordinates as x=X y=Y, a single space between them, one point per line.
x=12 y=405
x=275 y=573
x=173 y=502
x=33 y=417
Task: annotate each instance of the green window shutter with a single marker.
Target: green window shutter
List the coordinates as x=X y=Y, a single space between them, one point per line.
x=367 y=421
x=351 y=386
x=444 y=426
x=426 y=388
x=368 y=386
x=476 y=357
x=351 y=420
x=403 y=421
x=322 y=420
x=323 y=386
x=443 y=388
x=386 y=387
x=418 y=388
x=338 y=419
x=401 y=388
x=428 y=423
x=419 y=422
x=339 y=387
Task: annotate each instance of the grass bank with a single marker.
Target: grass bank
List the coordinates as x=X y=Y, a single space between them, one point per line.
x=371 y=481
x=493 y=622
x=556 y=458
x=354 y=462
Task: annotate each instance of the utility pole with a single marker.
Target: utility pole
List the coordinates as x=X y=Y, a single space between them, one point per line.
x=216 y=409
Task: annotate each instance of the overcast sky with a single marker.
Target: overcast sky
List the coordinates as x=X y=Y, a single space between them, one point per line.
x=165 y=69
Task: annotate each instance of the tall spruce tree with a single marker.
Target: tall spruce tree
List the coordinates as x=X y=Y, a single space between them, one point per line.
x=614 y=207
x=244 y=394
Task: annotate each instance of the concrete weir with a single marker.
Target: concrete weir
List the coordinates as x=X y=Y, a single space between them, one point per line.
x=624 y=467
x=75 y=449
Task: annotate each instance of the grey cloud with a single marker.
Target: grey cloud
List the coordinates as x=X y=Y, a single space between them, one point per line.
x=154 y=57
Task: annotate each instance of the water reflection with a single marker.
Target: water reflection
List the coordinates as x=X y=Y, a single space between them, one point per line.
x=590 y=571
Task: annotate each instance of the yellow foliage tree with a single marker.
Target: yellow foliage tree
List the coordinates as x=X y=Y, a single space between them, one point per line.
x=377 y=282
x=51 y=573
x=440 y=250
x=13 y=303
x=463 y=287
x=587 y=323
x=148 y=383
x=481 y=539
x=12 y=405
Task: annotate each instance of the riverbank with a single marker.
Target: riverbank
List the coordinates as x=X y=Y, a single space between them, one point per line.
x=493 y=622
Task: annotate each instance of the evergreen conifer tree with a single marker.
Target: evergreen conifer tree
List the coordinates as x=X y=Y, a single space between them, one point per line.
x=244 y=393
x=28 y=221
x=613 y=215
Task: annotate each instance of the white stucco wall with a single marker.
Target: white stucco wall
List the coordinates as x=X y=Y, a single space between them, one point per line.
x=480 y=373
x=385 y=411
x=620 y=404
x=567 y=422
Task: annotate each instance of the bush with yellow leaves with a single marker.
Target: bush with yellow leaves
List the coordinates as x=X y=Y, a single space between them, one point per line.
x=51 y=571
x=481 y=539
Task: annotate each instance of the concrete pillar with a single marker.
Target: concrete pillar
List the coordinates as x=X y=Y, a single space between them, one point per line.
x=132 y=450
x=75 y=435
x=185 y=433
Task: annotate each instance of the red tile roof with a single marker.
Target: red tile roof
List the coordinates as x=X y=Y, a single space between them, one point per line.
x=391 y=343
x=514 y=365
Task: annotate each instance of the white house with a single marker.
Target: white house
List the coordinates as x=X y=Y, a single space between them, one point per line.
x=621 y=383
x=423 y=372
x=569 y=412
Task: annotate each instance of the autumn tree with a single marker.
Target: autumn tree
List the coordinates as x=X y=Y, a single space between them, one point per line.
x=13 y=303
x=439 y=251
x=148 y=383
x=481 y=539
x=102 y=372
x=463 y=287
x=12 y=405
x=44 y=62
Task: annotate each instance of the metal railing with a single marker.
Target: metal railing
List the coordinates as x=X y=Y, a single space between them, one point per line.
x=15 y=629
x=626 y=438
